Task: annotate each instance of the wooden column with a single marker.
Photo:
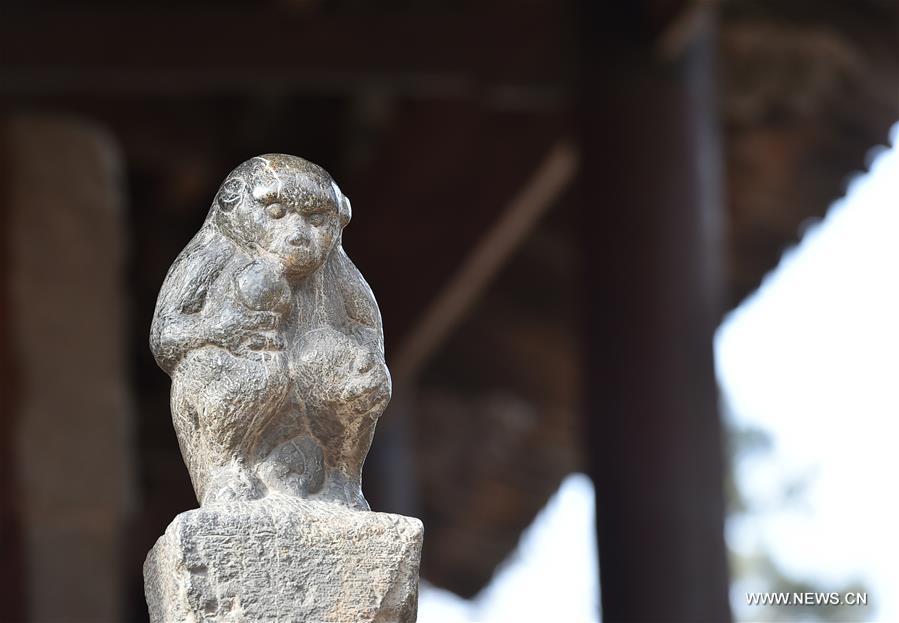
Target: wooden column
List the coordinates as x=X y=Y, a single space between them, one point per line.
x=12 y=555
x=66 y=313
x=650 y=230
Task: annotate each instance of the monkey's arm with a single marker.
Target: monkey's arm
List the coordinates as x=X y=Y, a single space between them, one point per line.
x=359 y=302
x=179 y=324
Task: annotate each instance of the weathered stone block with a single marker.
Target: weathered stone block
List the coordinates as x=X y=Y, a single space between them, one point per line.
x=284 y=559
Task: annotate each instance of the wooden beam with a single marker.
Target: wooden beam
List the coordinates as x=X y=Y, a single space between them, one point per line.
x=438 y=179
x=219 y=50
x=450 y=305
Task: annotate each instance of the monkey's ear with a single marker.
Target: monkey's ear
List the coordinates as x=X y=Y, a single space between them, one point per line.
x=345 y=211
x=230 y=194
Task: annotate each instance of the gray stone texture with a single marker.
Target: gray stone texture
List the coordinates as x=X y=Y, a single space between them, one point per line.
x=274 y=344
x=285 y=559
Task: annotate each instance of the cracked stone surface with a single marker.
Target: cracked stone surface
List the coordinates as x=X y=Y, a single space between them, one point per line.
x=285 y=559
x=274 y=344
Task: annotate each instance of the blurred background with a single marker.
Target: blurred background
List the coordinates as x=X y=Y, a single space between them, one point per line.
x=557 y=205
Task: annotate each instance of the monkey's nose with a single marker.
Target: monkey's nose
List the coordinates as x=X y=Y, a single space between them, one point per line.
x=298 y=239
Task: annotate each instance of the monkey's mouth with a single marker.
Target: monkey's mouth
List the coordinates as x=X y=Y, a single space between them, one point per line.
x=301 y=260
x=300 y=255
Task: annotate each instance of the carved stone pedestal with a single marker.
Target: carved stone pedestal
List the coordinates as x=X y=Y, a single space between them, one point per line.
x=284 y=559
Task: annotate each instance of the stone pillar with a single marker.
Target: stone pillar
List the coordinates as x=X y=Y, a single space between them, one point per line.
x=285 y=559
x=67 y=308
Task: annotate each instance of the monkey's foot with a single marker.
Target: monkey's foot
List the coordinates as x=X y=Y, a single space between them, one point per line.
x=345 y=491
x=232 y=483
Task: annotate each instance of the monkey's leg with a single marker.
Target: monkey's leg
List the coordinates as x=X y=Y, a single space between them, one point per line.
x=344 y=459
x=232 y=399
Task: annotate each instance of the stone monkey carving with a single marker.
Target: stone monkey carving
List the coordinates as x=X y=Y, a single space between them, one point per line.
x=273 y=341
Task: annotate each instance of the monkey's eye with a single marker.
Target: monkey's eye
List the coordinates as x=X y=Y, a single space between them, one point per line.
x=275 y=210
x=316 y=219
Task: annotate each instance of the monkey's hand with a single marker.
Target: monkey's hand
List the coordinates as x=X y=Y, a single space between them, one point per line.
x=246 y=332
x=342 y=374
x=368 y=391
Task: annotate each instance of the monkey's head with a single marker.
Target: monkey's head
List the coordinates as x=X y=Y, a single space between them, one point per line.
x=283 y=207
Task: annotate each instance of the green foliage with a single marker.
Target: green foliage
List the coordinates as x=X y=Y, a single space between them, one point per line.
x=759 y=569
